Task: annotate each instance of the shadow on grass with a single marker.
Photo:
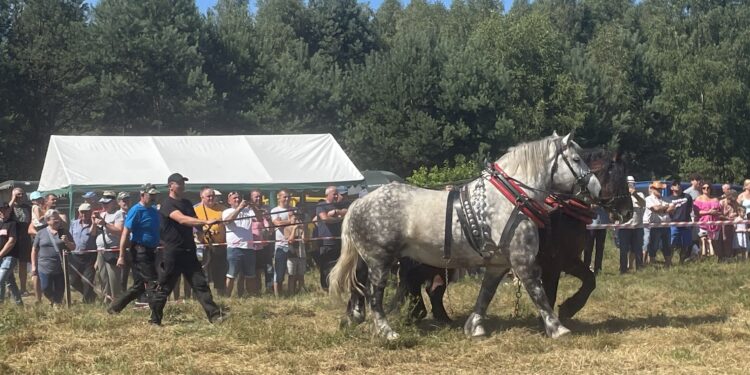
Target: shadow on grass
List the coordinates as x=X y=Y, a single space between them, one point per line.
x=495 y=324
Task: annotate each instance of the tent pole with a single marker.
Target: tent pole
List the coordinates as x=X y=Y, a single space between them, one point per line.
x=71 y=212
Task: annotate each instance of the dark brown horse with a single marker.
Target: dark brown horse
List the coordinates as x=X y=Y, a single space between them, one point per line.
x=560 y=248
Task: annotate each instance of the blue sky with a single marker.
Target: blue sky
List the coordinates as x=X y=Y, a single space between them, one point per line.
x=374 y=4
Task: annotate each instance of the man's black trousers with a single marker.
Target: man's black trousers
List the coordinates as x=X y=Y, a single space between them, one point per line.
x=143 y=263
x=176 y=262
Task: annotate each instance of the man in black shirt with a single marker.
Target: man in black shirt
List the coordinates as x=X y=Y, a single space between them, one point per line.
x=329 y=225
x=8 y=253
x=179 y=255
x=680 y=208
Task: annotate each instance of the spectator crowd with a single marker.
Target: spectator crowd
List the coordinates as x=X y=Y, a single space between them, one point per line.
x=700 y=203
x=243 y=246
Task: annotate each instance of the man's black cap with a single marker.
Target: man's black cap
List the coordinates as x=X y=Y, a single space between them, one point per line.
x=176 y=177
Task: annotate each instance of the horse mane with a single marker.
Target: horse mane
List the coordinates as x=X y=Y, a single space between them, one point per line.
x=527 y=157
x=596 y=157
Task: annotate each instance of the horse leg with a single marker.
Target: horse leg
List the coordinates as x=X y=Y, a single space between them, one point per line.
x=526 y=268
x=588 y=283
x=550 y=280
x=474 y=323
x=355 y=309
x=438 y=309
x=378 y=277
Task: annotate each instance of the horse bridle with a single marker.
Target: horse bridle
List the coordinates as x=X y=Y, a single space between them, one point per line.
x=582 y=180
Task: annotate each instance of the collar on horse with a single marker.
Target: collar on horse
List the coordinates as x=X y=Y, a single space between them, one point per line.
x=478 y=233
x=473 y=225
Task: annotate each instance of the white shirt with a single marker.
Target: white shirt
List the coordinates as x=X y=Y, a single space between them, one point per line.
x=239 y=232
x=654 y=217
x=637 y=211
x=275 y=214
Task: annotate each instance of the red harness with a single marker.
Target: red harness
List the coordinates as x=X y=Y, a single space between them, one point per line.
x=511 y=191
x=574 y=208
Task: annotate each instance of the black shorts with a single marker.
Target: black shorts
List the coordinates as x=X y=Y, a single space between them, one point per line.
x=23 y=245
x=264 y=256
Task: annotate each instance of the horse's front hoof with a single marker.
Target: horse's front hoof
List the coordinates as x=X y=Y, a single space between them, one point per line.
x=473 y=327
x=560 y=332
x=356 y=317
x=391 y=336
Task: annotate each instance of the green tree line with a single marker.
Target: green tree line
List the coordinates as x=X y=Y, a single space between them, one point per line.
x=400 y=87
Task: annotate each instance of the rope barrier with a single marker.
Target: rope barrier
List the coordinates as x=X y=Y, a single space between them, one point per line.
x=666 y=225
x=202 y=246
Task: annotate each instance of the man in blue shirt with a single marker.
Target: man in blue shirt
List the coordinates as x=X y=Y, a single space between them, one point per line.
x=84 y=235
x=141 y=231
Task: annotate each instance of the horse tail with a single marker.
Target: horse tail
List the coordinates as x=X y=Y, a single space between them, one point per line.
x=343 y=276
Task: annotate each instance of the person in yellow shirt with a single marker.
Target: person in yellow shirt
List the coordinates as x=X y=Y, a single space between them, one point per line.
x=209 y=209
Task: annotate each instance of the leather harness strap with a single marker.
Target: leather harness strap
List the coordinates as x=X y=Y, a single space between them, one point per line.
x=452 y=195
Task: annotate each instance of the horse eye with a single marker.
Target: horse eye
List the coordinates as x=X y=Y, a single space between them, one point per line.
x=576 y=158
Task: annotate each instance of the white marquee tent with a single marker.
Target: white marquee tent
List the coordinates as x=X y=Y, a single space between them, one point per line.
x=82 y=163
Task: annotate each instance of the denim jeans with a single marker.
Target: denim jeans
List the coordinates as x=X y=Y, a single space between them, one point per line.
x=7 y=278
x=53 y=286
x=279 y=264
x=659 y=239
x=631 y=241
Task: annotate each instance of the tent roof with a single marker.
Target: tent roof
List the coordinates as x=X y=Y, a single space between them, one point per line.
x=228 y=161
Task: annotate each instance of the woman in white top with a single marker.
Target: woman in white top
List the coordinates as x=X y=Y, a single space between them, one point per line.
x=630 y=240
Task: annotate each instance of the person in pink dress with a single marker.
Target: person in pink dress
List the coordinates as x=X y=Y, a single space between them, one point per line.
x=707 y=208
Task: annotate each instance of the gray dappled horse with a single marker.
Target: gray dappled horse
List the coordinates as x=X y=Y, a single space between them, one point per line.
x=560 y=246
x=399 y=220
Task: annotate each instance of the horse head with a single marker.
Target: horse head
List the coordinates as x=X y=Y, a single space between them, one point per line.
x=609 y=167
x=569 y=172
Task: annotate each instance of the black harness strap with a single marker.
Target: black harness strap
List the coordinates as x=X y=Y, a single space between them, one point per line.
x=515 y=218
x=452 y=199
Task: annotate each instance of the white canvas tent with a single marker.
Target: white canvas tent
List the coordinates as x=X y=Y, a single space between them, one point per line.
x=82 y=163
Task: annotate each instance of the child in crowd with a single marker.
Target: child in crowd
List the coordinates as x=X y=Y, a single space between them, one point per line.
x=296 y=235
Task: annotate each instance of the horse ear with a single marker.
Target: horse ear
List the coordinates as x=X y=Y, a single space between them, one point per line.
x=554 y=133
x=568 y=138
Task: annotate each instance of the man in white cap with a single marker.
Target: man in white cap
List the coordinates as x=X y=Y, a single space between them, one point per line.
x=630 y=240
x=82 y=263
x=110 y=223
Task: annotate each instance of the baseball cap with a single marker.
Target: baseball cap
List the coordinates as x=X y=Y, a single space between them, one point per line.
x=89 y=195
x=107 y=196
x=631 y=179
x=342 y=190
x=176 y=177
x=657 y=185
x=149 y=189
x=217 y=193
x=35 y=195
x=123 y=195
x=84 y=207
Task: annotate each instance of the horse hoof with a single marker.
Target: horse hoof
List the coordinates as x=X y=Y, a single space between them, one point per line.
x=390 y=336
x=473 y=327
x=561 y=331
x=356 y=317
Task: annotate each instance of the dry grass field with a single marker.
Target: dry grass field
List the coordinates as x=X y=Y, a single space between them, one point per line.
x=692 y=319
